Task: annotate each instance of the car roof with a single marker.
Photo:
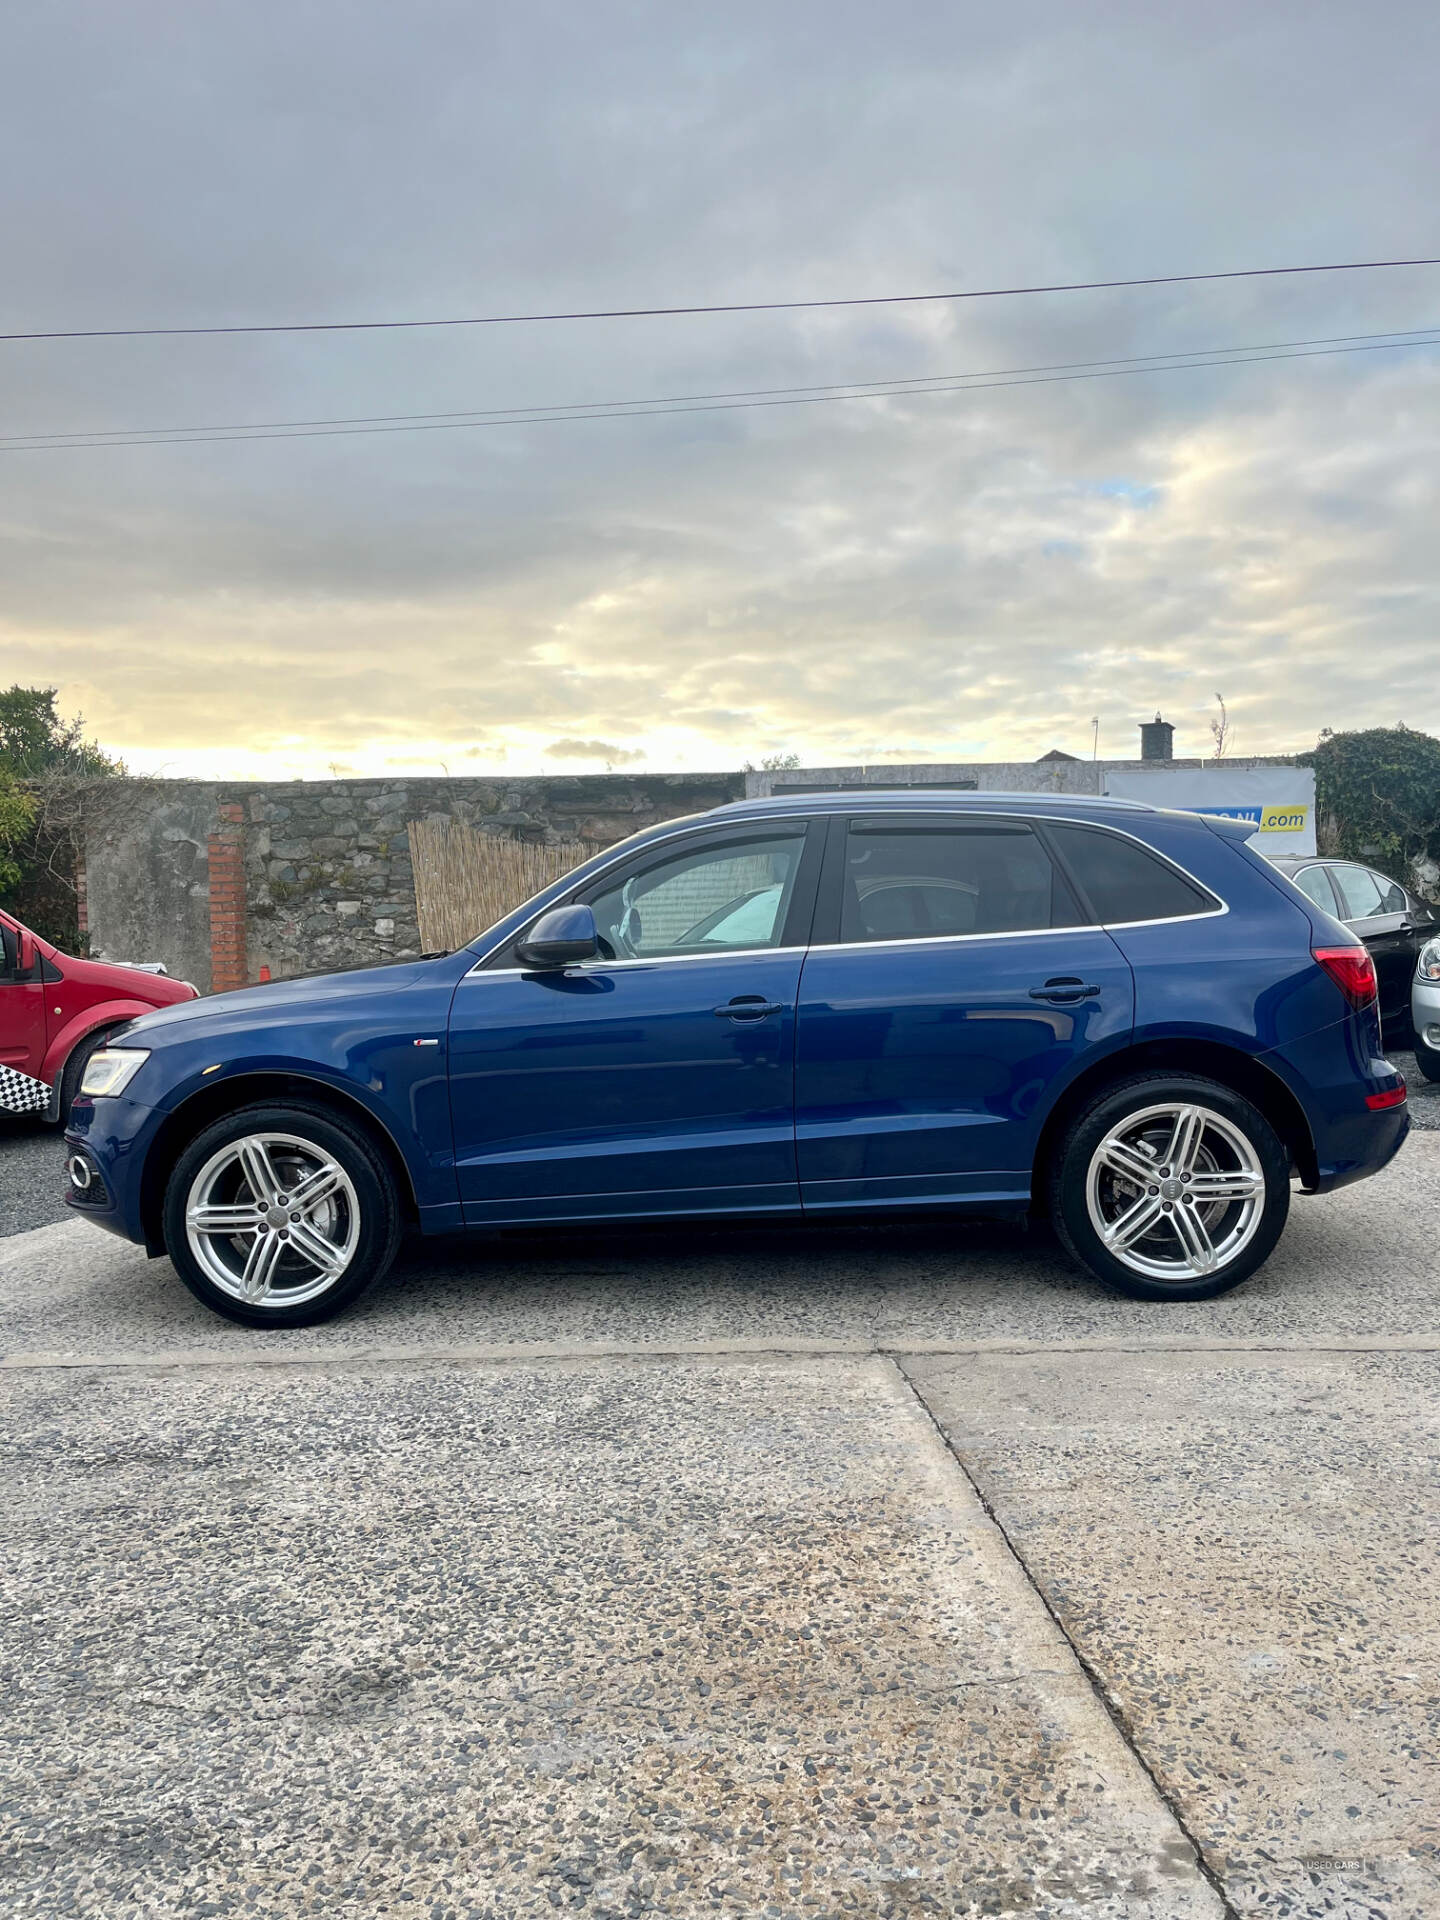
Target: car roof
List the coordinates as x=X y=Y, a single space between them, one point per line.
x=876 y=800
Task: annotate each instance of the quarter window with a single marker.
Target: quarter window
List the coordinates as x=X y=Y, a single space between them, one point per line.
x=1123 y=881
x=1364 y=893
x=917 y=883
x=717 y=900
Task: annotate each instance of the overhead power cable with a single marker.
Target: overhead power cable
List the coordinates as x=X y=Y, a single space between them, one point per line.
x=739 y=399
x=736 y=306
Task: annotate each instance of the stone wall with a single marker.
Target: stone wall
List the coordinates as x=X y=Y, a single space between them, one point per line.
x=327 y=881
x=146 y=870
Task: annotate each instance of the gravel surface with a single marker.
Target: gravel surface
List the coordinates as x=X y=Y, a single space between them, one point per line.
x=1247 y=1548
x=32 y=1175
x=1424 y=1094
x=652 y=1638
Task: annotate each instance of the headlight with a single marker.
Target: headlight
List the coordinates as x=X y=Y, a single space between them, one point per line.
x=112 y=1069
x=1428 y=966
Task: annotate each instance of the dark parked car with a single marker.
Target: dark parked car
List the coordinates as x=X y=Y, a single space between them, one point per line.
x=836 y=1004
x=1393 y=922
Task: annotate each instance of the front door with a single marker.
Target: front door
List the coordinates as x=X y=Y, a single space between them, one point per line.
x=660 y=1077
x=951 y=989
x=22 y=1007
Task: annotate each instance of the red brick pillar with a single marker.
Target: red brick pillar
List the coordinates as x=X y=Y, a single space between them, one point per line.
x=227 y=901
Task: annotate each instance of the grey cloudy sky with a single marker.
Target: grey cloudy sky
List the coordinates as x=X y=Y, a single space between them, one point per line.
x=930 y=577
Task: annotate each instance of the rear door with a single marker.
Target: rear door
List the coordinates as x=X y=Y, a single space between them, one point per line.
x=951 y=990
x=1379 y=912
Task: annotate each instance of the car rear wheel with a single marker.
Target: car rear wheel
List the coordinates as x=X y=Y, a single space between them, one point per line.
x=280 y=1216
x=1170 y=1187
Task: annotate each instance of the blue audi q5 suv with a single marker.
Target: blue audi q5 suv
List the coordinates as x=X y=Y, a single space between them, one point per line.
x=869 y=1003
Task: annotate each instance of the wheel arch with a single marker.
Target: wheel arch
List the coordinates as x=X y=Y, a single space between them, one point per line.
x=58 y=1061
x=246 y=1090
x=1242 y=1072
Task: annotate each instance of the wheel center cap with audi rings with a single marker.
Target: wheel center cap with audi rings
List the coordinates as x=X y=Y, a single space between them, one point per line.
x=277 y=1217
x=1171 y=1189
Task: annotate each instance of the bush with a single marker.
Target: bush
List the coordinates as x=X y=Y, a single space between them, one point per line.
x=1381 y=787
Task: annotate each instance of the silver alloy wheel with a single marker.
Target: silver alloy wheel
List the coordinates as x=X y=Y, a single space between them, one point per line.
x=272 y=1219
x=1175 y=1191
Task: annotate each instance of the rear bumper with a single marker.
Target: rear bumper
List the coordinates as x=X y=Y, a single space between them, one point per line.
x=1332 y=1074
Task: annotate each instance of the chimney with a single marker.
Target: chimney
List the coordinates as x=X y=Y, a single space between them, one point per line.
x=1157 y=738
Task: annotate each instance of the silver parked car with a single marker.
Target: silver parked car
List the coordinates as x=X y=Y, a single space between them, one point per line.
x=1425 y=1010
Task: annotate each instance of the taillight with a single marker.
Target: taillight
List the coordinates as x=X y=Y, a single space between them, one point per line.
x=1352 y=970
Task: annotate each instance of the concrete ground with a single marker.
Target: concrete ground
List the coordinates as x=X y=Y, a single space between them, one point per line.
x=890 y=1571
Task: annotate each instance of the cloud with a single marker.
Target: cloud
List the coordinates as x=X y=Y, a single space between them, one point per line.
x=971 y=575
x=594 y=750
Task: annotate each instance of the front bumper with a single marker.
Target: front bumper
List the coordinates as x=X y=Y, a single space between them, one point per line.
x=1425 y=1011
x=112 y=1137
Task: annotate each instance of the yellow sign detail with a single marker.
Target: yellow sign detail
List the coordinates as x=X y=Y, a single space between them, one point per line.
x=1283 y=819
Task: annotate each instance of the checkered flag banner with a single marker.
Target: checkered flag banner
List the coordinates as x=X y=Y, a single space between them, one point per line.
x=20 y=1094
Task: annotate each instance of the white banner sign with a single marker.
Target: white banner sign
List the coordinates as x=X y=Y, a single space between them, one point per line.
x=1279 y=800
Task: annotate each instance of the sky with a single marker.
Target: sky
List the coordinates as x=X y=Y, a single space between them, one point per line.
x=958 y=576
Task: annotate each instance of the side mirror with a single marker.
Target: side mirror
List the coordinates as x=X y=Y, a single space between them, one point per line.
x=26 y=964
x=560 y=938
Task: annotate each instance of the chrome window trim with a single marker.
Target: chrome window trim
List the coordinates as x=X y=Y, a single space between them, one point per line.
x=658 y=960
x=929 y=939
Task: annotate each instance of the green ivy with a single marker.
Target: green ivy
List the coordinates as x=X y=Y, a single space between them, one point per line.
x=1381 y=788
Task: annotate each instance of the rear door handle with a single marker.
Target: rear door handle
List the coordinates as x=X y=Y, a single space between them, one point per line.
x=748 y=1006
x=1064 y=992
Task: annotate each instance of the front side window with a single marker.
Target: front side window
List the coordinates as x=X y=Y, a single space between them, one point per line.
x=715 y=900
x=1125 y=882
x=923 y=882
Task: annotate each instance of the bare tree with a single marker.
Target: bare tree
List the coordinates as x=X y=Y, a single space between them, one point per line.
x=1220 y=728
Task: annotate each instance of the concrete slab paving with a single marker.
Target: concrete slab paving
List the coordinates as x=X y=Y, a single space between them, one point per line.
x=628 y=1637
x=1245 y=1550
x=1363 y=1262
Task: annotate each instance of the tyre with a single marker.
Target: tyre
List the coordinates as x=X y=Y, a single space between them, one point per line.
x=1428 y=1060
x=1170 y=1187
x=281 y=1215
x=75 y=1071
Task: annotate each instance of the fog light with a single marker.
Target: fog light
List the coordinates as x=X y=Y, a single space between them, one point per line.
x=81 y=1176
x=1432 y=1034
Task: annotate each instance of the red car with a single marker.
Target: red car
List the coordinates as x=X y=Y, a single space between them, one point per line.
x=55 y=1011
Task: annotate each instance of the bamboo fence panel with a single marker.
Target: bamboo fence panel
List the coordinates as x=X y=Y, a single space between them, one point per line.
x=466 y=880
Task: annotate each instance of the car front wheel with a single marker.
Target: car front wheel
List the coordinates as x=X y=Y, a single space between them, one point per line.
x=280 y=1216
x=1170 y=1187
x=1428 y=1060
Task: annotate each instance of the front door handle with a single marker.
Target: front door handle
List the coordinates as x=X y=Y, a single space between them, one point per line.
x=748 y=1006
x=1064 y=992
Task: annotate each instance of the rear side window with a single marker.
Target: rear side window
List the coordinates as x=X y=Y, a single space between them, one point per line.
x=1123 y=881
x=1315 y=882
x=922 y=882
